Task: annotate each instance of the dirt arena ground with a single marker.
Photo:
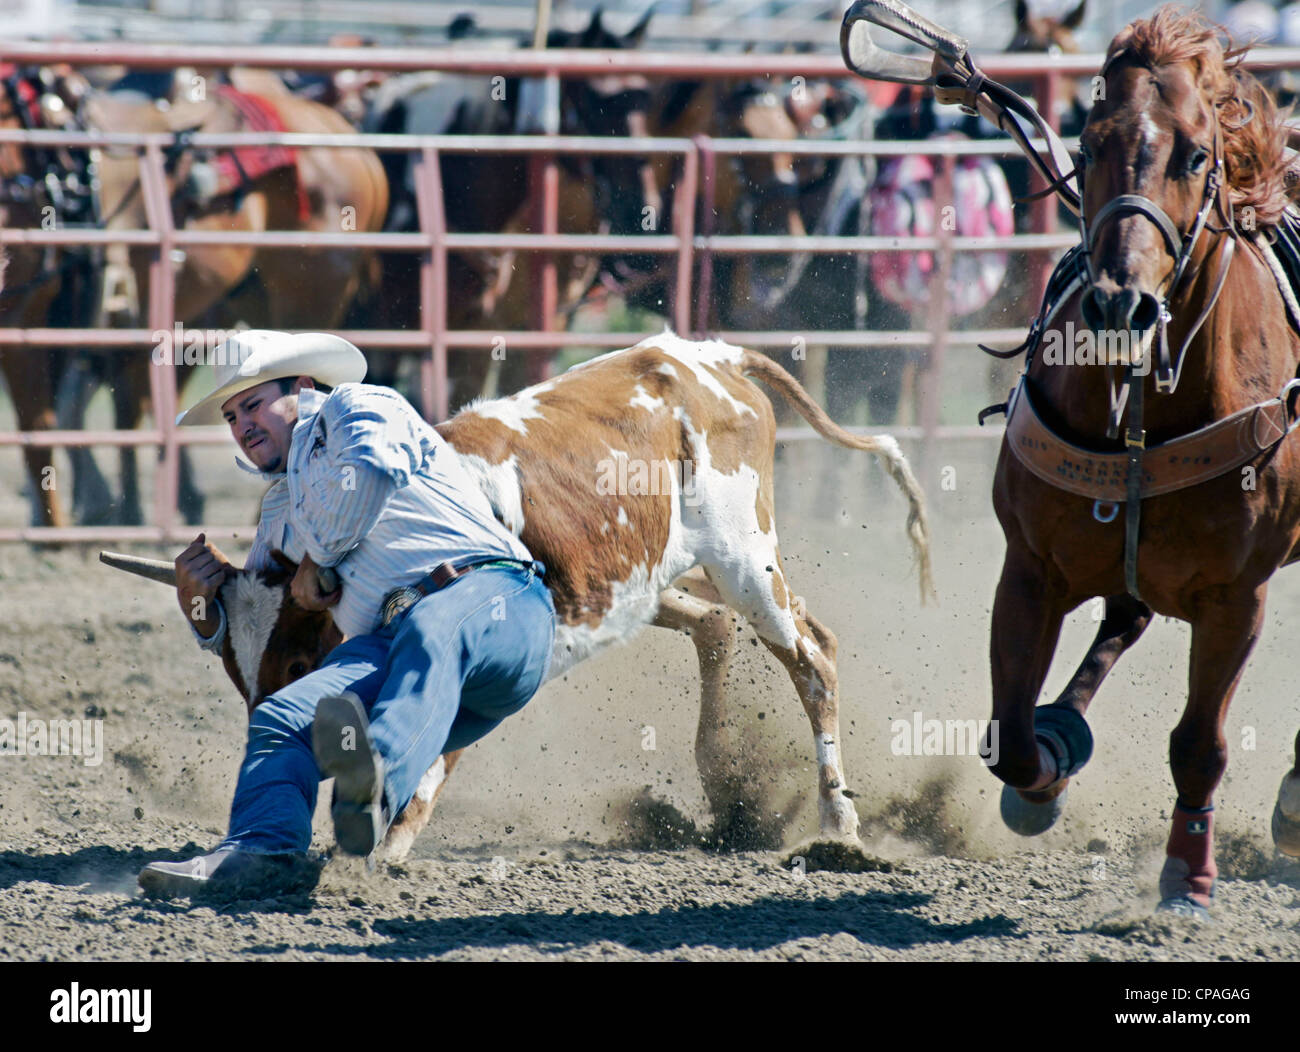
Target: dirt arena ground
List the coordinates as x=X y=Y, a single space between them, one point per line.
x=562 y=837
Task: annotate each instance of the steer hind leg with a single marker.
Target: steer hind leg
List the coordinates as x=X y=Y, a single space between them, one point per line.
x=696 y=609
x=754 y=584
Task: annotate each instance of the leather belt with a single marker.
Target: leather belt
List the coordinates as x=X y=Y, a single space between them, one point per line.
x=399 y=600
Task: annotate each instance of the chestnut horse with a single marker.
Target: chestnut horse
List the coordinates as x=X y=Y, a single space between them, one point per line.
x=752 y=194
x=1182 y=164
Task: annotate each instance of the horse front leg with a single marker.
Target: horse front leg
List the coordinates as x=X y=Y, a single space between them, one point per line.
x=129 y=381
x=1223 y=636
x=1027 y=621
x=31 y=390
x=1124 y=622
x=189 y=498
x=91 y=499
x=1060 y=727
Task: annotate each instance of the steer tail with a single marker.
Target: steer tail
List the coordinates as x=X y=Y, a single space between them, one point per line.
x=885 y=447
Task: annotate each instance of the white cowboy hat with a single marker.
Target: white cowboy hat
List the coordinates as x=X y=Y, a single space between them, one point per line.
x=258 y=355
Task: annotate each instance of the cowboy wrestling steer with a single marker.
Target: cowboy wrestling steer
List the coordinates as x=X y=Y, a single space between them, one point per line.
x=643 y=481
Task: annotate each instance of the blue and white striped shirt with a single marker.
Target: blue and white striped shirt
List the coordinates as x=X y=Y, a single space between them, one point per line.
x=374 y=491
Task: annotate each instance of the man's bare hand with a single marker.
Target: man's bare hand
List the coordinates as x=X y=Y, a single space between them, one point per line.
x=305 y=587
x=200 y=572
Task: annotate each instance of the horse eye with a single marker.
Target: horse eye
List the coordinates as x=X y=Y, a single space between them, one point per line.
x=297 y=670
x=1085 y=154
x=1197 y=161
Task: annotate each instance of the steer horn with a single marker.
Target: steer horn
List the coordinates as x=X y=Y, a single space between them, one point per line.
x=863 y=56
x=154 y=569
x=165 y=573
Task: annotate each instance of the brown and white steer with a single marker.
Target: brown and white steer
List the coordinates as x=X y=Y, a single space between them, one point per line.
x=643 y=480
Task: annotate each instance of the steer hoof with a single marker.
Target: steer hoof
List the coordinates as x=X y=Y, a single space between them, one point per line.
x=1286 y=829
x=1184 y=907
x=1030 y=817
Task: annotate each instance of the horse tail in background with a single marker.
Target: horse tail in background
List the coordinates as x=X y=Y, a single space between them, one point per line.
x=884 y=447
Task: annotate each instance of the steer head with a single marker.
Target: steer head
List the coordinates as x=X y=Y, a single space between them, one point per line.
x=270 y=640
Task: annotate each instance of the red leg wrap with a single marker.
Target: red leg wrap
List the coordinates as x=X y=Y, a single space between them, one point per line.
x=1189 y=868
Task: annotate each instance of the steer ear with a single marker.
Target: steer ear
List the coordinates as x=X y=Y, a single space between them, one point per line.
x=285 y=562
x=283 y=566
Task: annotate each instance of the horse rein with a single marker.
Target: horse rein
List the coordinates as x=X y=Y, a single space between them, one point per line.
x=964 y=85
x=1168 y=369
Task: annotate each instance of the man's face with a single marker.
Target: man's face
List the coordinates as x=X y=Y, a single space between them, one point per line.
x=261 y=420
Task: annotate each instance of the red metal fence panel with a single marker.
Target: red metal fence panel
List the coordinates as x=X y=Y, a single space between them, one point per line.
x=434 y=241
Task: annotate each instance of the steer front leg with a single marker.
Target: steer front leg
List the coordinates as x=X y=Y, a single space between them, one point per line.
x=415 y=816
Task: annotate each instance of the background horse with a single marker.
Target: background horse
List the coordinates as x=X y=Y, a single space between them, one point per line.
x=489 y=193
x=247 y=189
x=896 y=196
x=752 y=194
x=846 y=196
x=1046 y=33
x=1175 y=118
x=37 y=187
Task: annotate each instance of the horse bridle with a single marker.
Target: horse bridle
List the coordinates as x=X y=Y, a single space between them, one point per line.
x=20 y=187
x=62 y=181
x=62 y=184
x=1167 y=367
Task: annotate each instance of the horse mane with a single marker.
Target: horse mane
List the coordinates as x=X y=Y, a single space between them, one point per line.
x=1254 y=134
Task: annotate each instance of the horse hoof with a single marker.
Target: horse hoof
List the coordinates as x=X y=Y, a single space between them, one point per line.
x=1286 y=832
x=1028 y=817
x=1184 y=907
x=1066 y=734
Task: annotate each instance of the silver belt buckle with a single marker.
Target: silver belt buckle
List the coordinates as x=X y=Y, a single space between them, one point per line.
x=396 y=603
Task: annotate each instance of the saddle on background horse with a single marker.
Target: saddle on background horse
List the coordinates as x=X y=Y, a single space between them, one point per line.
x=229 y=172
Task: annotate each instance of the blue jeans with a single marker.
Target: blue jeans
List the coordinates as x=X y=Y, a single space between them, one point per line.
x=439 y=677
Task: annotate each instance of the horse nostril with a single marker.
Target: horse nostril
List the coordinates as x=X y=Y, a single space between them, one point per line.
x=1092 y=307
x=1146 y=313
